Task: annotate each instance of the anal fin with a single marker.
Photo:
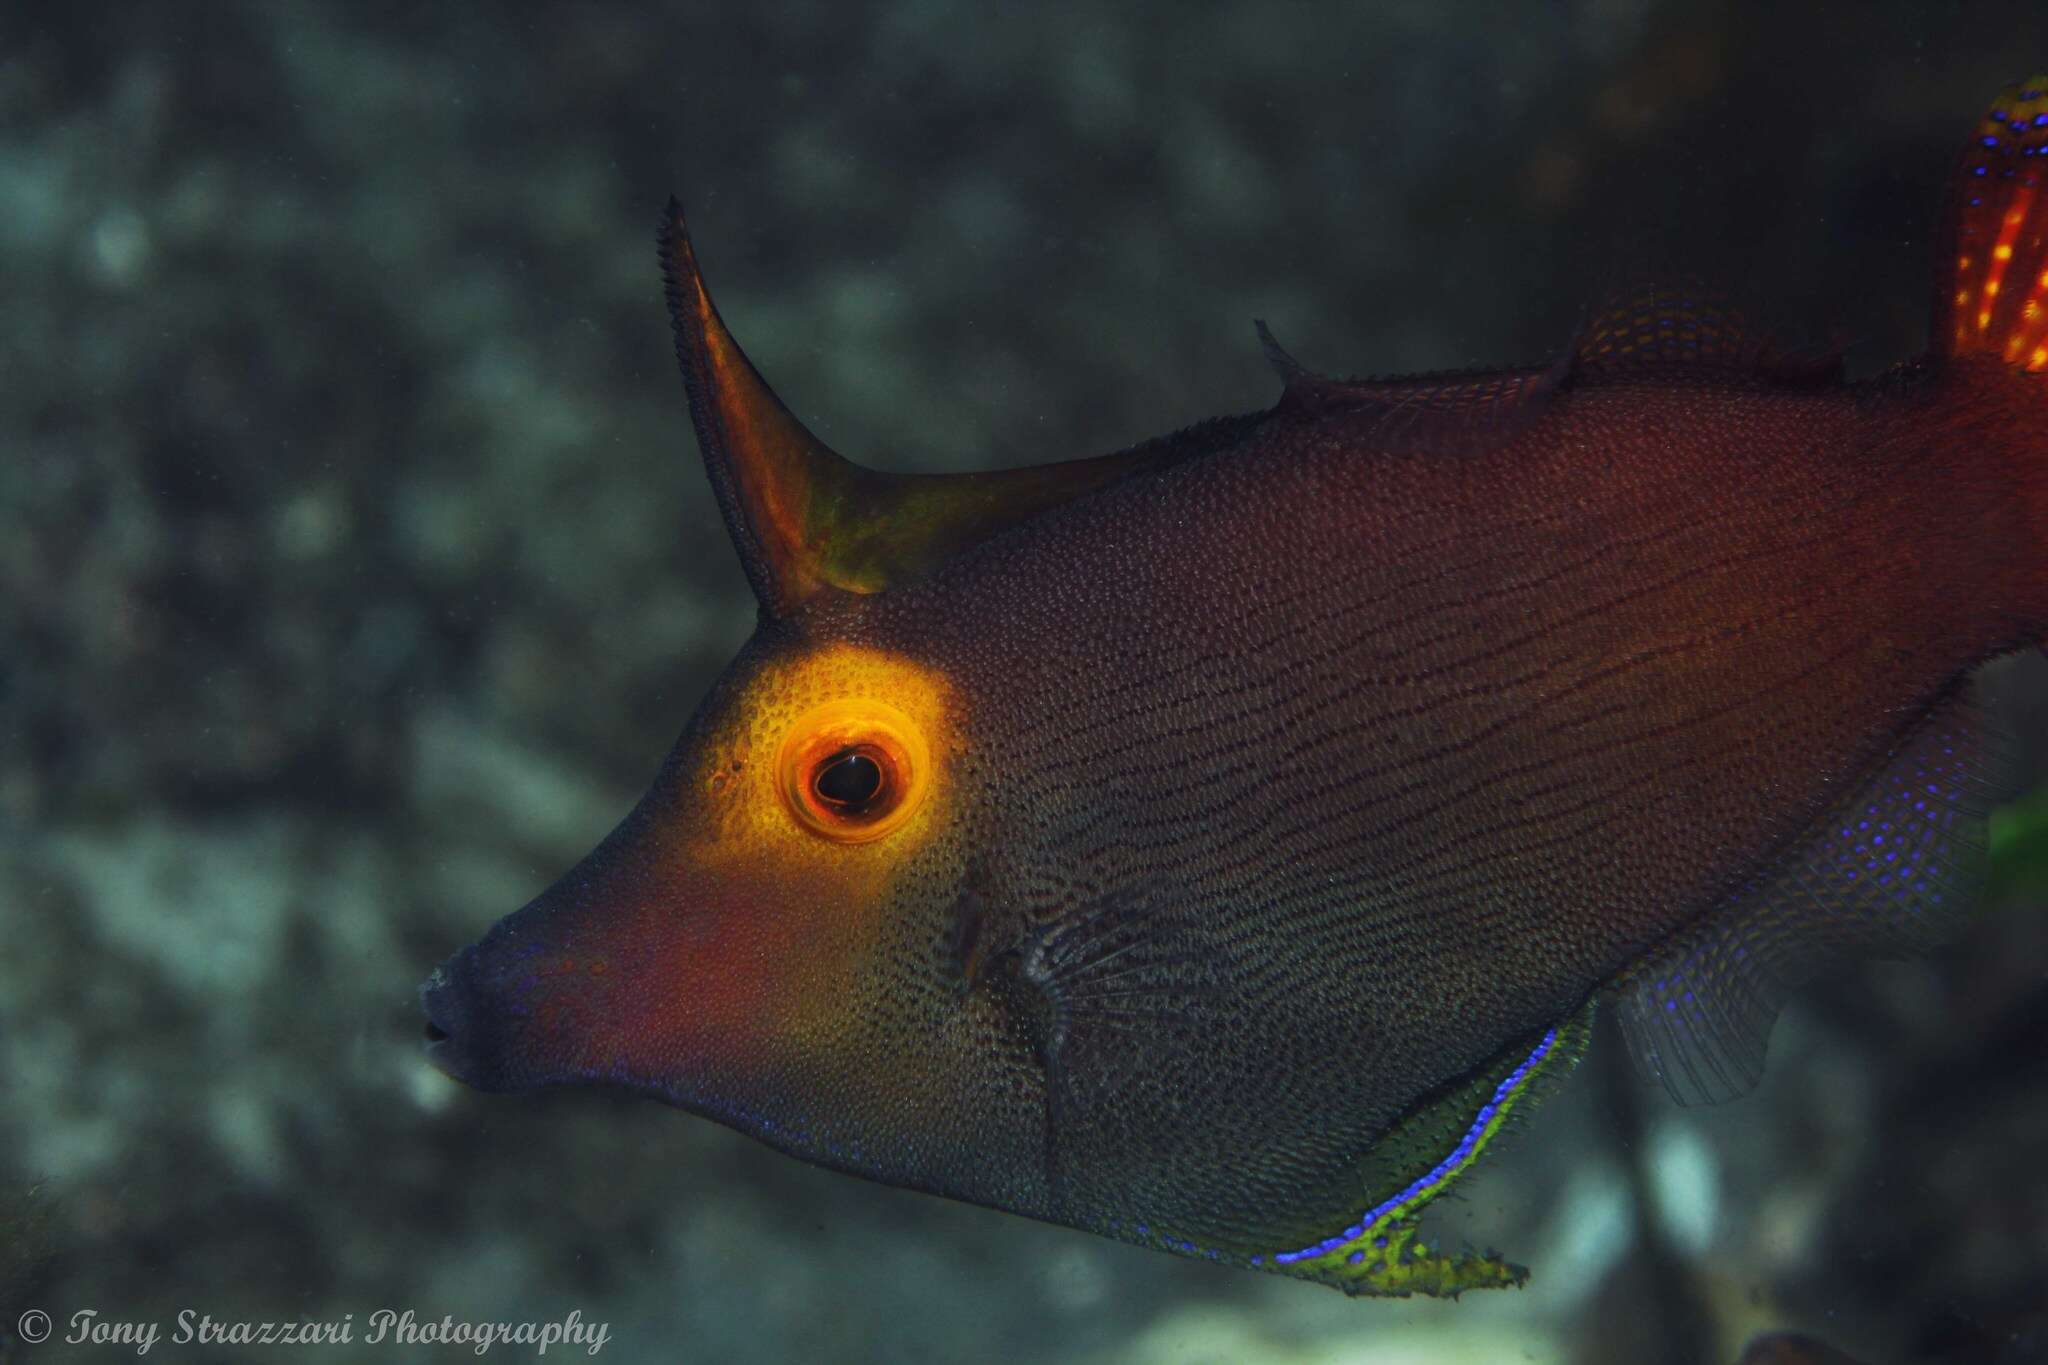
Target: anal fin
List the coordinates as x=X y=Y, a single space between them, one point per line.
x=1890 y=871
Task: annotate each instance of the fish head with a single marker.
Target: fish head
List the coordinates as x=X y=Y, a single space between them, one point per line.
x=773 y=937
x=770 y=937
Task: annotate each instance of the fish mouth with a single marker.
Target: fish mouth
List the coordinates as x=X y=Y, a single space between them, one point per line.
x=437 y=1003
x=433 y=996
x=453 y=1034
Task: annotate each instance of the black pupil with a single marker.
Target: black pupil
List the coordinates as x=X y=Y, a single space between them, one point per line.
x=849 y=780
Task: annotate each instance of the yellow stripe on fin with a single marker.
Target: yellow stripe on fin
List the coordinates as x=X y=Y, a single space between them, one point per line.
x=1996 y=301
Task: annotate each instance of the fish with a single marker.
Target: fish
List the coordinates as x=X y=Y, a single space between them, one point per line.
x=1222 y=844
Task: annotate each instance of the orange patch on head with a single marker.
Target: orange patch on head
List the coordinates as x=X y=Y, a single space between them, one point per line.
x=788 y=867
x=854 y=769
x=885 y=727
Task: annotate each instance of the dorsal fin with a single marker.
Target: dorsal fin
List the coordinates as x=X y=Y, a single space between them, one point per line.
x=1679 y=332
x=1468 y=392
x=1660 y=333
x=807 y=521
x=1286 y=366
x=1440 y=414
x=1442 y=410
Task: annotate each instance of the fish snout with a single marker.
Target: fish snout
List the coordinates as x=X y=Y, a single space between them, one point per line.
x=596 y=980
x=536 y=1001
x=487 y=1024
x=457 y=1032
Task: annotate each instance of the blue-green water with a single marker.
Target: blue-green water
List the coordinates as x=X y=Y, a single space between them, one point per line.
x=356 y=569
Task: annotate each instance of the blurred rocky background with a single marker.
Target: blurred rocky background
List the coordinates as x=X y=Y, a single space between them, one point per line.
x=356 y=570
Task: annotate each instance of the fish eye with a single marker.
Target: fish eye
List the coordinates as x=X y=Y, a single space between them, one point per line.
x=854 y=770
x=848 y=781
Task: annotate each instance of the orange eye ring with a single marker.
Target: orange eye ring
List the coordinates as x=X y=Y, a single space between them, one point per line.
x=854 y=770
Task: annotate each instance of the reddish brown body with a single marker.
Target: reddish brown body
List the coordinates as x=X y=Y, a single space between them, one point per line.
x=1210 y=845
x=1447 y=730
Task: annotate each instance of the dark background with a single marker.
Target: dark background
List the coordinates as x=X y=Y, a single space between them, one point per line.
x=356 y=569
